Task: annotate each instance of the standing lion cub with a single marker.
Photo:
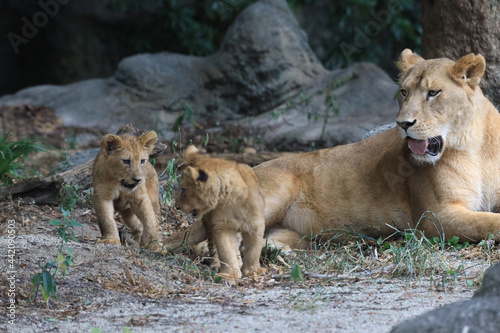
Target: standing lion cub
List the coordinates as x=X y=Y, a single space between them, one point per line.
x=226 y=196
x=125 y=181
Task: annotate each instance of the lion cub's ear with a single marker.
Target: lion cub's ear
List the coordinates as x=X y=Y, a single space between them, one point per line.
x=191 y=154
x=197 y=175
x=111 y=142
x=406 y=61
x=148 y=140
x=469 y=69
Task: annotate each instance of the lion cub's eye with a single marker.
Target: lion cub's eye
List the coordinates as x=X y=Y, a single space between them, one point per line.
x=126 y=162
x=433 y=93
x=143 y=161
x=183 y=190
x=403 y=92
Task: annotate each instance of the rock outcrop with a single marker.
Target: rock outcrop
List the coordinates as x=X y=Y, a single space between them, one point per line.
x=264 y=76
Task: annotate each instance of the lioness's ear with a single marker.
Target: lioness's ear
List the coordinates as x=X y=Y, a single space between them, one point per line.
x=190 y=155
x=111 y=142
x=148 y=140
x=469 y=69
x=406 y=61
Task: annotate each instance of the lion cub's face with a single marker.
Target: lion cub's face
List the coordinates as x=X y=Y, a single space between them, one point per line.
x=436 y=100
x=126 y=155
x=199 y=185
x=199 y=191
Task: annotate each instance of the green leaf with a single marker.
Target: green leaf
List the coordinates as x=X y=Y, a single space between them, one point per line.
x=48 y=284
x=127 y=329
x=56 y=223
x=95 y=330
x=49 y=264
x=296 y=273
x=36 y=279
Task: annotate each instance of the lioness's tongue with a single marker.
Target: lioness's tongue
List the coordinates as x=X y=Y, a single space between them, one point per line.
x=418 y=147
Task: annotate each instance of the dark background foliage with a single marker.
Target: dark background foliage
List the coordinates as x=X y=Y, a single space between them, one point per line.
x=88 y=39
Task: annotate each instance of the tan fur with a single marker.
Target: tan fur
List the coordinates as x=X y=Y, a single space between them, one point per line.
x=123 y=160
x=379 y=182
x=226 y=196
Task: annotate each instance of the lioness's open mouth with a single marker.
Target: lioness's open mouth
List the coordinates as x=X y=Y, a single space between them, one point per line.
x=129 y=186
x=432 y=146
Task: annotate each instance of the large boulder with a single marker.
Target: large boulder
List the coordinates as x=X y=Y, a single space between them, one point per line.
x=481 y=314
x=264 y=64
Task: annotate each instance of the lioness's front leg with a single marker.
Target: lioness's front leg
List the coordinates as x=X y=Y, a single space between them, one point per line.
x=193 y=235
x=105 y=217
x=468 y=225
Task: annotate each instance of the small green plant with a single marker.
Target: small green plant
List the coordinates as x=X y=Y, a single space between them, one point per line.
x=186 y=113
x=453 y=242
x=64 y=259
x=296 y=273
x=172 y=179
x=13 y=154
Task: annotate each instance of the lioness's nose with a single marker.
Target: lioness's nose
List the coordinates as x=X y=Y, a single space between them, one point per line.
x=137 y=180
x=406 y=124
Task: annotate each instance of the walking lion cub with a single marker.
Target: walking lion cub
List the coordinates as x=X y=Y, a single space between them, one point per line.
x=125 y=181
x=227 y=197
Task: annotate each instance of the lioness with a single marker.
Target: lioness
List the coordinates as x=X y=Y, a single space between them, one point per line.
x=226 y=196
x=125 y=181
x=443 y=157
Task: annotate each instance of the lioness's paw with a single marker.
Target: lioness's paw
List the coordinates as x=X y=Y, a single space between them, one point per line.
x=113 y=241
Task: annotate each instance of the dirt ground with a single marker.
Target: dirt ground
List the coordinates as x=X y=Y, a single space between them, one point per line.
x=117 y=288
x=121 y=289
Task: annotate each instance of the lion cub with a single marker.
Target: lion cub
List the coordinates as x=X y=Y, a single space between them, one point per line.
x=125 y=181
x=226 y=195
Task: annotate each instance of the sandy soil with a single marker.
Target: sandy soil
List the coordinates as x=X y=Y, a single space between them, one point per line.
x=113 y=287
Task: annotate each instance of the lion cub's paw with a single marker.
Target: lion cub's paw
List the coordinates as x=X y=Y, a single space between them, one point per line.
x=113 y=241
x=228 y=279
x=254 y=271
x=157 y=247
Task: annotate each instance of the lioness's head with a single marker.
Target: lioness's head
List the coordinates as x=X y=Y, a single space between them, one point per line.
x=126 y=156
x=199 y=185
x=438 y=100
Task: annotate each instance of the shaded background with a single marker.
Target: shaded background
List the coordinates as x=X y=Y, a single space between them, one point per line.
x=87 y=39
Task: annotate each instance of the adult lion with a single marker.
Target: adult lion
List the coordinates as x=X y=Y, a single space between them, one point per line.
x=443 y=158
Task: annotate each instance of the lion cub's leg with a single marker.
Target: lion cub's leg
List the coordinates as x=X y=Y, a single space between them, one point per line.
x=144 y=211
x=105 y=217
x=252 y=243
x=133 y=222
x=225 y=242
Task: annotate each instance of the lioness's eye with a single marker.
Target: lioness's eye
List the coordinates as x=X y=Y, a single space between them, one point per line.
x=183 y=190
x=143 y=161
x=433 y=93
x=126 y=162
x=403 y=92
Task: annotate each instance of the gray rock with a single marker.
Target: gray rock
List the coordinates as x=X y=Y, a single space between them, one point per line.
x=263 y=64
x=481 y=314
x=378 y=130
